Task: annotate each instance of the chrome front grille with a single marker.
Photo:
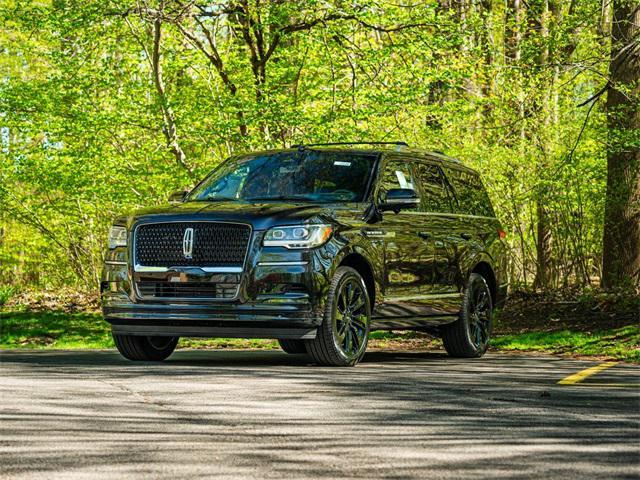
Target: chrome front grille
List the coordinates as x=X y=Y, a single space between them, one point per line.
x=164 y=253
x=210 y=244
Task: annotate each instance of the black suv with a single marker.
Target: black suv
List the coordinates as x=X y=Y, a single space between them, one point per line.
x=315 y=246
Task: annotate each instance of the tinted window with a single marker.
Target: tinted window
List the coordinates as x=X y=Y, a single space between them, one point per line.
x=470 y=193
x=397 y=174
x=433 y=191
x=302 y=176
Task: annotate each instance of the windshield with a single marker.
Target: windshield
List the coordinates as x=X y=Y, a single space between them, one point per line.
x=307 y=175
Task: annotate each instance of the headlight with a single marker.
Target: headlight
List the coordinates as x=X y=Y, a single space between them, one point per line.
x=298 y=236
x=117 y=237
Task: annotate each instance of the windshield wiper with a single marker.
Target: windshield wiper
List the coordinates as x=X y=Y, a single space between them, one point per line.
x=280 y=198
x=215 y=199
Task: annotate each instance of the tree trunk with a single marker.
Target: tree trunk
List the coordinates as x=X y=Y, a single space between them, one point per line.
x=169 y=128
x=489 y=47
x=538 y=21
x=621 y=242
x=543 y=248
x=513 y=34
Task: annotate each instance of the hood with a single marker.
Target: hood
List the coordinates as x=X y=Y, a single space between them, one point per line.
x=260 y=215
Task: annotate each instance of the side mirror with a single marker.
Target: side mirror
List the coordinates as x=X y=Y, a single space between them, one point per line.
x=398 y=199
x=178 y=196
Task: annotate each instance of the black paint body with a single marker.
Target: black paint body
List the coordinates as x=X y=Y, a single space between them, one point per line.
x=415 y=264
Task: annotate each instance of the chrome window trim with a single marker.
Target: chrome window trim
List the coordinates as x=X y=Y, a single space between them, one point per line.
x=443 y=214
x=281 y=264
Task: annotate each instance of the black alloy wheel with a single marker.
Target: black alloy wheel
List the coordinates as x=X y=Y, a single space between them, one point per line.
x=480 y=318
x=293 y=347
x=469 y=336
x=351 y=317
x=342 y=338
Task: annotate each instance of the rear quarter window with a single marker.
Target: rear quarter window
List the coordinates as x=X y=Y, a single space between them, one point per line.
x=433 y=189
x=472 y=197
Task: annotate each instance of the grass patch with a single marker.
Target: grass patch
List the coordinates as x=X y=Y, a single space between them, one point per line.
x=619 y=343
x=57 y=330
x=6 y=292
x=60 y=330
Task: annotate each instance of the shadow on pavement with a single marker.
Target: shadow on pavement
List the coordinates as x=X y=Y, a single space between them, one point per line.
x=196 y=358
x=256 y=414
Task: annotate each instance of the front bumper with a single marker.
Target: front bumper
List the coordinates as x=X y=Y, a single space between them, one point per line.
x=260 y=319
x=280 y=295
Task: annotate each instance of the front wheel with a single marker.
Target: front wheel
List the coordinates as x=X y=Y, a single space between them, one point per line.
x=138 y=348
x=469 y=336
x=342 y=338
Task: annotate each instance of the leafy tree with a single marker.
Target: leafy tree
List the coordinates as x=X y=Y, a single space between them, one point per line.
x=622 y=212
x=108 y=106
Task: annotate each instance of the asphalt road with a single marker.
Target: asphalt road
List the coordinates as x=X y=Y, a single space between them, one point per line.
x=269 y=415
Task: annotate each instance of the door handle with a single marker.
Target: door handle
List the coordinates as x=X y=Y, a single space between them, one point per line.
x=424 y=235
x=466 y=236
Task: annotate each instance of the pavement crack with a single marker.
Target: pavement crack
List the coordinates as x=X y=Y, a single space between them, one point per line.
x=140 y=396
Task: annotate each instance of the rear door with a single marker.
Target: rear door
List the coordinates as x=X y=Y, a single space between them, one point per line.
x=476 y=222
x=441 y=224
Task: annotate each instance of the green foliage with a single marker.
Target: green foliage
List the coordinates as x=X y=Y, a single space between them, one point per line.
x=6 y=292
x=60 y=330
x=86 y=133
x=619 y=344
x=56 y=330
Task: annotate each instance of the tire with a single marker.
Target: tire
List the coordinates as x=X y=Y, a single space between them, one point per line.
x=468 y=337
x=342 y=337
x=138 y=348
x=292 y=347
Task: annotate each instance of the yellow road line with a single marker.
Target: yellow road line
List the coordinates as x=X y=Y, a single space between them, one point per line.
x=580 y=376
x=609 y=385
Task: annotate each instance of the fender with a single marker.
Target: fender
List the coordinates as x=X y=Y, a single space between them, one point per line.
x=474 y=260
x=357 y=244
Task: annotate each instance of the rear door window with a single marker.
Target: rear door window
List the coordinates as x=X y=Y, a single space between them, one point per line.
x=471 y=196
x=434 y=195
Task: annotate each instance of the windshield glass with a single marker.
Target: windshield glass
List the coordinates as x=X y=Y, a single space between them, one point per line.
x=308 y=175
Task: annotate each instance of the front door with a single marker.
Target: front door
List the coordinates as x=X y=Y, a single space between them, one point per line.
x=408 y=262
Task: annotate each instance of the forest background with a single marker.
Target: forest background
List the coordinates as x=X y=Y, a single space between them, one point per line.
x=106 y=106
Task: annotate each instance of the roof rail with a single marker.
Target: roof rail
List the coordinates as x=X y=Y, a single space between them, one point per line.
x=301 y=146
x=447 y=157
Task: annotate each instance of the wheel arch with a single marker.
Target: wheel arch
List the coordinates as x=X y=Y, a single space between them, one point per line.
x=359 y=262
x=484 y=268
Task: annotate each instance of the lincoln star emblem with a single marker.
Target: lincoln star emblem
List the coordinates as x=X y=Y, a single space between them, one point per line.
x=187 y=243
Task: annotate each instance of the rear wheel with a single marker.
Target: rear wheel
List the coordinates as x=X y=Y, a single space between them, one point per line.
x=292 y=346
x=342 y=338
x=469 y=336
x=145 y=348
